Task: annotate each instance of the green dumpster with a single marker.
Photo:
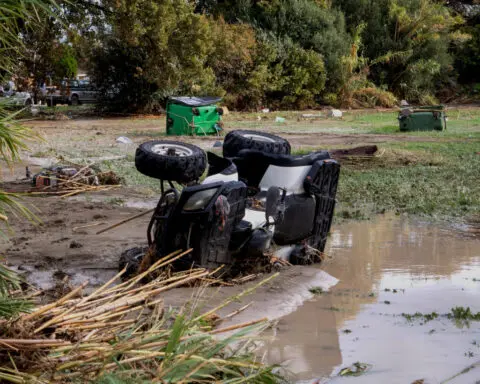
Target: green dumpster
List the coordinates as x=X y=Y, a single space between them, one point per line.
x=431 y=118
x=194 y=116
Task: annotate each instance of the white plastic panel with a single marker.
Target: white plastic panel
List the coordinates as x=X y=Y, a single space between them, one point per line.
x=289 y=178
x=220 y=177
x=257 y=218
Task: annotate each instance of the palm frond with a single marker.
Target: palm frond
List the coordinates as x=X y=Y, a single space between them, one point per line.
x=9 y=280
x=15 y=17
x=12 y=307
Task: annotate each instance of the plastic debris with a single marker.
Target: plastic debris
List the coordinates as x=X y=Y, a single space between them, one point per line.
x=355 y=369
x=217 y=144
x=311 y=116
x=335 y=113
x=279 y=119
x=265 y=110
x=124 y=140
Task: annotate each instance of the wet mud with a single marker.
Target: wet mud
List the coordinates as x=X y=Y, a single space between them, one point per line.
x=65 y=243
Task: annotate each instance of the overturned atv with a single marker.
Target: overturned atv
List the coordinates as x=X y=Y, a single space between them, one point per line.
x=257 y=200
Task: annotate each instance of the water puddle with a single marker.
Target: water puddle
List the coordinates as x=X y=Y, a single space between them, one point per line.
x=387 y=267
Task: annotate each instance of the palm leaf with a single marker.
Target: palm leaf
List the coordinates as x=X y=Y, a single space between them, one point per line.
x=9 y=280
x=11 y=307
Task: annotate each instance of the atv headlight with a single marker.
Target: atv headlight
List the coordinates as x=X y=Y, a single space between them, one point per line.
x=199 y=200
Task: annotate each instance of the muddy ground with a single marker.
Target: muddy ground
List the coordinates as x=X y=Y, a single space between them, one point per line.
x=378 y=269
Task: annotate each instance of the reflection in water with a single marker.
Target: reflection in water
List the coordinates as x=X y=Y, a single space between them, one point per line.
x=387 y=267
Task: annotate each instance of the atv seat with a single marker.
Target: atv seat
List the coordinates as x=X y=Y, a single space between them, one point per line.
x=263 y=170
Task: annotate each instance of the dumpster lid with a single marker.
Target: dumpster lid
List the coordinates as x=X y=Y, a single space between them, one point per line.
x=195 y=101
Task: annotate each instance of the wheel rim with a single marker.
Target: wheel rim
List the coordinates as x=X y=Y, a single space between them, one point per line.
x=259 y=138
x=163 y=149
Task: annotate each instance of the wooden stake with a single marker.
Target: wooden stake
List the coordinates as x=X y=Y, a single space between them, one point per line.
x=125 y=221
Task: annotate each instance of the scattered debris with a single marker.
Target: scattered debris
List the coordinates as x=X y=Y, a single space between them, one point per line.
x=311 y=116
x=73 y=179
x=112 y=328
x=242 y=280
x=234 y=313
x=217 y=144
x=75 y=229
x=457 y=313
x=109 y=178
x=425 y=317
x=461 y=313
x=125 y=221
x=335 y=113
x=347 y=331
x=75 y=244
x=279 y=119
x=123 y=140
x=364 y=150
x=265 y=110
x=356 y=369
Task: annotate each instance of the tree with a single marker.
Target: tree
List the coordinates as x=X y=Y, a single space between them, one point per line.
x=410 y=41
x=310 y=24
x=155 y=48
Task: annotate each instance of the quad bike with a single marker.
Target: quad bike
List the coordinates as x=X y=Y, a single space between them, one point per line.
x=256 y=200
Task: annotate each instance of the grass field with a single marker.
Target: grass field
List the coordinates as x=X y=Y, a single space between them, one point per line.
x=438 y=179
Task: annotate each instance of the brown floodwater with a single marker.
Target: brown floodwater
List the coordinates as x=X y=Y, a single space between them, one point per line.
x=386 y=267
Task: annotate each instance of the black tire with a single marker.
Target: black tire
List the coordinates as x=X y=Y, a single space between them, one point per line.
x=186 y=162
x=237 y=140
x=131 y=258
x=75 y=100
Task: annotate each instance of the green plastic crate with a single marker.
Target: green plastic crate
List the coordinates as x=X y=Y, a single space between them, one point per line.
x=432 y=118
x=193 y=116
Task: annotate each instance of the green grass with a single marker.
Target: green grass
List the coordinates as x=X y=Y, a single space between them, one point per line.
x=155 y=134
x=464 y=122
x=447 y=188
x=125 y=168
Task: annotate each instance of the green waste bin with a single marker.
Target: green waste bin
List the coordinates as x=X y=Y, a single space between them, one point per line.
x=431 y=118
x=194 y=116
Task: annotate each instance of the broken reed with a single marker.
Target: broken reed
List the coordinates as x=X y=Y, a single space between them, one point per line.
x=124 y=331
